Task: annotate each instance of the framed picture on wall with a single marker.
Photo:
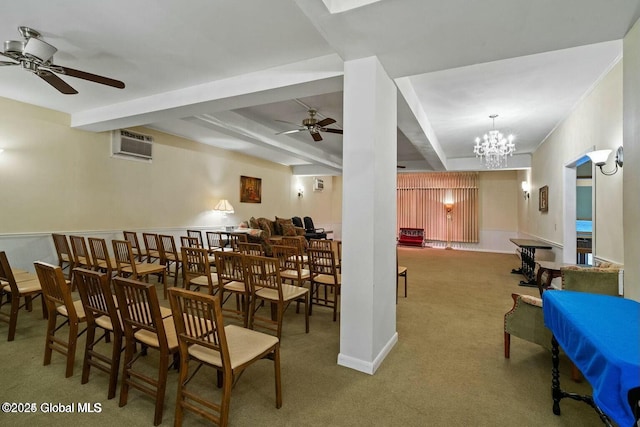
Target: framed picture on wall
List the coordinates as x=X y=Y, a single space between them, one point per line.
x=250 y=190
x=543 y=201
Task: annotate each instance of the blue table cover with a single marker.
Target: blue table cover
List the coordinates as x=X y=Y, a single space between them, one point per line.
x=601 y=335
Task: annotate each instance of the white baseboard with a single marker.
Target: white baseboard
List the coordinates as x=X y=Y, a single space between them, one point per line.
x=366 y=366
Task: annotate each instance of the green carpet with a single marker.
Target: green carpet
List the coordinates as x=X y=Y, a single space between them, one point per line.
x=447 y=368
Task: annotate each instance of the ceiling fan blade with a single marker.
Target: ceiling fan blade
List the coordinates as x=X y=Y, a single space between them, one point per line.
x=8 y=63
x=291 y=131
x=401 y=167
x=316 y=136
x=329 y=130
x=88 y=76
x=56 y=82
x=325 y=122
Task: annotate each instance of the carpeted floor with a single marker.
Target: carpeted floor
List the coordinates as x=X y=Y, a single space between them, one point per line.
x=447 y=368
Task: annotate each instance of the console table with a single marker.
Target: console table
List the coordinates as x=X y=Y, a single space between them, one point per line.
x=600 y=334
x=411 y=236
x=528 y=254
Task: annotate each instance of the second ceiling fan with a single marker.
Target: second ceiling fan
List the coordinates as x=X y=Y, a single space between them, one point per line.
x=313 y=126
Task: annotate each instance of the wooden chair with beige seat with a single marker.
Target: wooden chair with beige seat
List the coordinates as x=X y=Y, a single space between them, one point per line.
x=300 y=245
x=170 y=256
x=263 y=275
x=17 y=286
x=63 y=250
x=402 y=272
x=138 y=251
x=196 y=234
x=232 y=281
x=143 y=324
x=205 y=340
x=152 y=247
x=196 y=270
x=102 y=313
x=291 y=267
x=251 y=249
x=128 y=267
x=58 y=297
x=102 y=261
x=217 y=242
x=81 y=255
x=324 y=277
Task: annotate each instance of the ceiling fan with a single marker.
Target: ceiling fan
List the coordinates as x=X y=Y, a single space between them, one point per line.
x=313 y=126
x=36 y=56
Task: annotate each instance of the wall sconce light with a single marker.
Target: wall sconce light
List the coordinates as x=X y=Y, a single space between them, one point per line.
x=449 y=207
x=300 y=191
x=525 y=189
x=1 y=150
x=599 y=158
x=224 y=206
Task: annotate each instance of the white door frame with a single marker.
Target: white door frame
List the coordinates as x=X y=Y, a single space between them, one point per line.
x=569 y=175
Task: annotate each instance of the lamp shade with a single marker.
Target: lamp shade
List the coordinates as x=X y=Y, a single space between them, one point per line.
x=599 y=157
x=224 y=206
x=525 y=186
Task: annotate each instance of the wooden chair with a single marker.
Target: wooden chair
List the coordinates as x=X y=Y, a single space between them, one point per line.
x=300 y=244
x=57 y=295
x=65 y=256
x=339 y=254
x=17 y=286
x=127 y=266
x=132 y=237
x=263 y=275
x=402 y=272
x=217 y=242
x=232 y=281
x=204 y=339
x=143 y=324
x=101 y=259
x=291 y=267
x=190 y=242
x=237 y=238
x=321 y=244
x=81 y=255
x=101 y=311
x=251 y=249
x=324 y=274
x=197 y=271
x=196 y=234
x=170 y=255
x=152 y=247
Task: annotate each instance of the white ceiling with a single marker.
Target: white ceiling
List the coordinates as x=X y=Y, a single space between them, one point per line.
x=222 y=72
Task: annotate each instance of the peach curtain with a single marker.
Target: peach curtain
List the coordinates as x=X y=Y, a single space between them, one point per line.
x=421 y=199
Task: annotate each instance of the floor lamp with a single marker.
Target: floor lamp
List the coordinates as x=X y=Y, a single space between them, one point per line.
x=449 y=207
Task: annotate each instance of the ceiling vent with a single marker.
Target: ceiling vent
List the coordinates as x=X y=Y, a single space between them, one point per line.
x=131 y=145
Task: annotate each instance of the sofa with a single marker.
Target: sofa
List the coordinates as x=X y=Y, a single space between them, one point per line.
x=268 y=232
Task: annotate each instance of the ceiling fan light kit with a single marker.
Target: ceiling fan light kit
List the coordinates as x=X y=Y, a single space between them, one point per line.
x=36 y=56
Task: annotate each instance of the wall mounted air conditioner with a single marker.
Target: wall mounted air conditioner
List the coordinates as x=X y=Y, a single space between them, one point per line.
x=131 y=145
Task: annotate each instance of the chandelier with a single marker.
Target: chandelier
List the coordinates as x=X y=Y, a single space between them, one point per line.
x=494 y=147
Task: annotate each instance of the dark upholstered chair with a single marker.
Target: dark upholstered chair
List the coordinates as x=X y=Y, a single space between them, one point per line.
x=311 y=232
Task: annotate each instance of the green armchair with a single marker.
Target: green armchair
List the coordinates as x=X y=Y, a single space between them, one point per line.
x=525 y=320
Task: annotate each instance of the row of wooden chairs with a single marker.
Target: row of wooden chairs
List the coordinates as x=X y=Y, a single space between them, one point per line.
x=131 y=315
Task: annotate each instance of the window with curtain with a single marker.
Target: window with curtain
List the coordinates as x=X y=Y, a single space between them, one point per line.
x=421 y=199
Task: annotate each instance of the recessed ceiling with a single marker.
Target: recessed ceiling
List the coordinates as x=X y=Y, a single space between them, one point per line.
x=223 y=72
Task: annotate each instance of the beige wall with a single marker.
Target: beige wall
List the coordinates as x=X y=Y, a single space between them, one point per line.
x=595 y=122
x=499 y=200
x=62 y=179
x=631 y=192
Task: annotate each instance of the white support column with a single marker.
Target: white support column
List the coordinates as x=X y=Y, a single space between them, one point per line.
x=368 y=310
